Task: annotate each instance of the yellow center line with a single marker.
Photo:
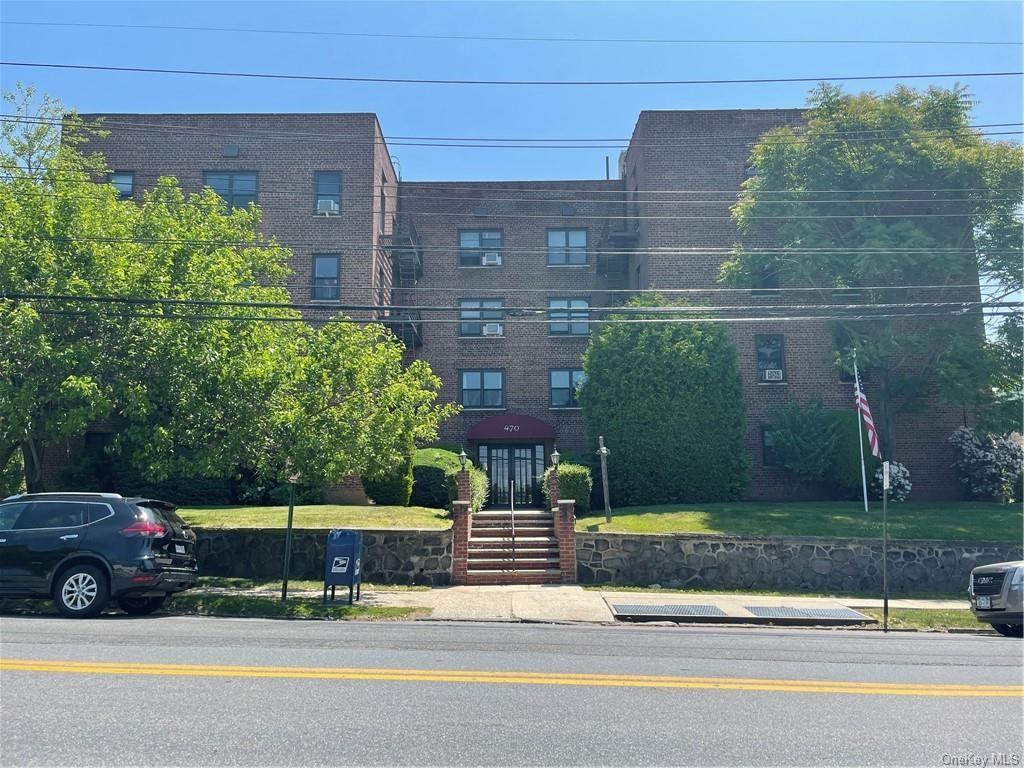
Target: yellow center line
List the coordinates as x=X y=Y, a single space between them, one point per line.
x=512 y=678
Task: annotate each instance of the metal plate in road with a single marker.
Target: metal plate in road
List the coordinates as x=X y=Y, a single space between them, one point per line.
x=668 y=610
x=787 y=612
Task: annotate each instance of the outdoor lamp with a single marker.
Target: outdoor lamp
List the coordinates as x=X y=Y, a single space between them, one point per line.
x=462 y=458
x=554 y=458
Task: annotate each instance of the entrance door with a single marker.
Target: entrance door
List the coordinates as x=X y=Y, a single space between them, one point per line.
x=523 y=464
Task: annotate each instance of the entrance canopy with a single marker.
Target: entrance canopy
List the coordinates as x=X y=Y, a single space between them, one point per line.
x=509 y=427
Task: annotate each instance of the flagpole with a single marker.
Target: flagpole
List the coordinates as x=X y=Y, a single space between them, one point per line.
x=860 y=432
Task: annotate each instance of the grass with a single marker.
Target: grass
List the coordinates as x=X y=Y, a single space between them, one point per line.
x=250 y=606
x=316 y=516
x=228 y=582
x=974 y=521
x=961 y=595
x=926 y=618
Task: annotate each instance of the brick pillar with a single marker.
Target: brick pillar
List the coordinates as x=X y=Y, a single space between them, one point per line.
x=565 y=532
x=460 y=541
x=465 y=492
x=553 y=488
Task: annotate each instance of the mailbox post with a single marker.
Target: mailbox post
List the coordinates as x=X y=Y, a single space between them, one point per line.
x=343 y=560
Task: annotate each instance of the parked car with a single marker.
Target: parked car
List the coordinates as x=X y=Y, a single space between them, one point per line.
x=85 y=549
x=996 y=596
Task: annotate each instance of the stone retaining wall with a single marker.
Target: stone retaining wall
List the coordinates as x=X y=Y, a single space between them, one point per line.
x=791 y=563
x=389 y=557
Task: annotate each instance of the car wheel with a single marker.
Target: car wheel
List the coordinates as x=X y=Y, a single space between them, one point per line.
x=141 y=606
x=81 y=592
x=1009 y=630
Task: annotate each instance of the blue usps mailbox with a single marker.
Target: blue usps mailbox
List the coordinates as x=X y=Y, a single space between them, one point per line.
x=343 y=560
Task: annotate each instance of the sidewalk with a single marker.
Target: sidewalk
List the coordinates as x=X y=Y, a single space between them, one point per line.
x=573 y=604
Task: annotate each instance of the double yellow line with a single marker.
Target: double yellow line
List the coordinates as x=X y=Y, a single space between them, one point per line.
x=512 y=678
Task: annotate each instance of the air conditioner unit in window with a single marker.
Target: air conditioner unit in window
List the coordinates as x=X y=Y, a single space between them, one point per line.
x=490 y=259
x=772 y=374
x=326 y=207
x=492 y=329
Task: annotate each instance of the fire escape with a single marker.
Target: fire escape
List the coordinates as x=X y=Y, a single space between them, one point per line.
x=403 y=248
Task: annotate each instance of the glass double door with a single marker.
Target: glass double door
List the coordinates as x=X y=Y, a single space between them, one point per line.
x=515 y=472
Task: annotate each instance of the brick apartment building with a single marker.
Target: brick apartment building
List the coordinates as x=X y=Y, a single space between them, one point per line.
x=511 y=256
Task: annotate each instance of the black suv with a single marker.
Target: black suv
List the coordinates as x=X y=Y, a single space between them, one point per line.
x=82 y=549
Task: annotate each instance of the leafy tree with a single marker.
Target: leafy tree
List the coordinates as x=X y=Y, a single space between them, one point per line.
x=668 y=399
x=922 y=199
x=182 y=357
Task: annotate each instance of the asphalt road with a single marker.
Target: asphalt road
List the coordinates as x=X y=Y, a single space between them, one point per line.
x=114 y=691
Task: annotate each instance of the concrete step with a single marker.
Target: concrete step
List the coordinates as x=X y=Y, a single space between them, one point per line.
x=506 y=533
x=506 y=552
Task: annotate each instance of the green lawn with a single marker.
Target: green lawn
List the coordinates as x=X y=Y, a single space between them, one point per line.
x=925 y=618
x=910 y=520
x=316 y=516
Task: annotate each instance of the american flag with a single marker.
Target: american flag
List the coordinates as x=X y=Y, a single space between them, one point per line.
x=865 y=412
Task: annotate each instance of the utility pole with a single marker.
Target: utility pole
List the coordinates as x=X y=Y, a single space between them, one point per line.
x=292 y=479
x=603 y=453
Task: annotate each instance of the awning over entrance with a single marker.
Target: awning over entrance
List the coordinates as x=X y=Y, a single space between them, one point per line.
x=509 y=427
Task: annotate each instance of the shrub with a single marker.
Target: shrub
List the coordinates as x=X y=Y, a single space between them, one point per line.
x=430 y=468
x=806 y=437
x=669 y=401
x=574 y=482
x=899 y=482
x=392 y=487
x=844 y=475
x=988 y=466
x=479 y=486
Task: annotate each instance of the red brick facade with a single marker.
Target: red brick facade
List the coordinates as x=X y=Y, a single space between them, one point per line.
x=670 y=151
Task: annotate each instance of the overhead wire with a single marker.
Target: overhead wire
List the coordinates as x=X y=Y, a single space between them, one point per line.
x=533 y=83
x=504 y=38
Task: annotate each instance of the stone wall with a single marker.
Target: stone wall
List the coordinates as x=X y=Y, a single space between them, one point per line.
x=792 y=563
x=389 y=557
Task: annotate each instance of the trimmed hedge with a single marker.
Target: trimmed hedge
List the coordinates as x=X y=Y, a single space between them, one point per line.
x=574 y=482
x=669 y=401
x=393 y=488
x=434 y=484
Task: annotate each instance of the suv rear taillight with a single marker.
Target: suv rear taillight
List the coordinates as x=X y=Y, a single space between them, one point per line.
x=144 y=528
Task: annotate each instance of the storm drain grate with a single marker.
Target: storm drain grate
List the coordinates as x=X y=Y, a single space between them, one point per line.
x=668 y=610
x=785 y=612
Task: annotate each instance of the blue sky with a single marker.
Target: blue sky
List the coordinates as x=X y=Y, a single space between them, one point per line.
x=489 y=111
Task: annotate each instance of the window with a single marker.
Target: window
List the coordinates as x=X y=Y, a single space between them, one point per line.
x=9 y=513
x=238 y=188
x=327 y=192
x=769 y=457
x=481 y=317
x=567 y=247
x=480 y=248
x=771 y=365
x=52 y=514
x=326 y=274
x=124 y=182
x=766 y=279
x=569 y=317
x=483 y=389
x=565 y=384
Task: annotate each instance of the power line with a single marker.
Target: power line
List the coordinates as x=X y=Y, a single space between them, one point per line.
x=444 y=81
x=368 y=206
x=699 y=140
x=723 y=251
x=385 y=321
x=505 y=38
x=626 y=310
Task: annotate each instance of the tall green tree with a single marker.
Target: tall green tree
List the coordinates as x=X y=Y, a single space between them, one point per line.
x=890 y=189
x=668 y=399
x=153 y=318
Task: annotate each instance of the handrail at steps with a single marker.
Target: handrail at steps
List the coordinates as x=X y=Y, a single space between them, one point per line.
x=512 y=515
